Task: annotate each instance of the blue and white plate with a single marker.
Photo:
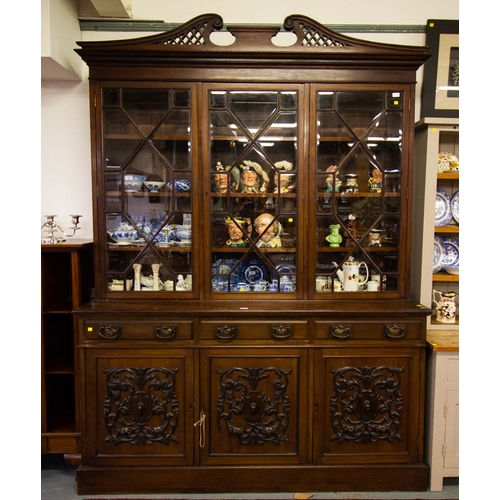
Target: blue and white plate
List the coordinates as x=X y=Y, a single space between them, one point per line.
x=224 y=266
x=253 y=271
x=454 y=206
x=439 y=251
x=286 y=269
x=442 y=215
x=450 y=258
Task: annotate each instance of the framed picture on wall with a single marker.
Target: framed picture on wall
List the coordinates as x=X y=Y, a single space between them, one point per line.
x=440 y=90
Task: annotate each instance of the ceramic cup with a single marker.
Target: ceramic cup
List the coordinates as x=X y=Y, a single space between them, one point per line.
x=169 y=285
x=337 y=286
x=273 y=287
x=322 y=284
x=240 y=287
x=373 y=286
x=260 y=286
x=287 y=287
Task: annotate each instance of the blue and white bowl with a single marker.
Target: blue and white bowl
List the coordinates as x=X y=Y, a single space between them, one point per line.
x=154 y=186
x=123 y=236
x=181 y=186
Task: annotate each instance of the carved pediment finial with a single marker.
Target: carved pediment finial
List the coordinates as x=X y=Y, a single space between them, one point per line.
x=312 y=34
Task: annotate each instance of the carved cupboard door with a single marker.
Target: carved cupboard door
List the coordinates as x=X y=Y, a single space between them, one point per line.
x=139 y=406
x=252 y=402
x=367 y=406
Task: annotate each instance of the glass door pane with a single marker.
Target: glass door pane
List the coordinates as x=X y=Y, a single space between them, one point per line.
x=358 y=186
x=254 y=191
x=147 y=189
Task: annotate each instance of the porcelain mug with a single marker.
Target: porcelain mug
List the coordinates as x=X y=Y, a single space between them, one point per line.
x=373 y=286
x=169 y=285
x=322 y=284
x=260 y=286
x=240 y=287
x=273 y=287
x=337 y=286
x=287 y=287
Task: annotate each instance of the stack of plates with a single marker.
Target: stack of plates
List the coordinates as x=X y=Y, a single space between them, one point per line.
x=446 y=255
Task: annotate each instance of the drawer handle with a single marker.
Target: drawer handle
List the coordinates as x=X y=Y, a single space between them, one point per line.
x=395 y=331
x=281 y=331
x=340 y=331
x=225 y=332
x=165 y=332
x=110 y=332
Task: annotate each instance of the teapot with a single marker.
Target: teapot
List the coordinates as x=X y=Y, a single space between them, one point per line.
x=445 y=306
x=349 y=275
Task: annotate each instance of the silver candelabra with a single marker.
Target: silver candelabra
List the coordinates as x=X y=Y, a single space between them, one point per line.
x=51 y=227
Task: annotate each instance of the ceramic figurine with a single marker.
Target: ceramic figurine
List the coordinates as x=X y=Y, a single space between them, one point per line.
x=375 y=181
x=252 y=178
x=269 y=232
x=284 y=181
x=352 y=232
x=156 y=276
x=237 y=237
x=351 y=183
x=334 y=237
x=374 y=238
x=331 y=178
x=137 y=276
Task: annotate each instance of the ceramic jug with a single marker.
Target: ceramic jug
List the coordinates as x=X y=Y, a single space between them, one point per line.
x=349 y=275
x=445 y=306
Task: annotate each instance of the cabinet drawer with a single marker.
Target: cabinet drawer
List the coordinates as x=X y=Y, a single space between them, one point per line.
x=230 y=330
x=345 y=330
x=168 y=329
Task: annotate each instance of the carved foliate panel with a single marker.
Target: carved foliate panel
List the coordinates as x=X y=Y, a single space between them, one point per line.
x=141 y=406
x=254 y=404
x=366 y=405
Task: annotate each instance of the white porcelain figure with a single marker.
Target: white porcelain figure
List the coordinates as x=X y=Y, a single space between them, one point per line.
x=137 y=276
x=156 y=276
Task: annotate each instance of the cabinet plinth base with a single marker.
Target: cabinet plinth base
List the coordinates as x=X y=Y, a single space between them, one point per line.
x=150 y=480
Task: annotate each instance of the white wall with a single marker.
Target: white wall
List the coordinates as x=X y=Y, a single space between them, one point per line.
x=65 y=134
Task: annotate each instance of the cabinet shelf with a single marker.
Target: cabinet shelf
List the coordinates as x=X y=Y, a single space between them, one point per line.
x=139 y=248
x=365 y=249
x=452 y=176
x=445 y=277
x=447 y=229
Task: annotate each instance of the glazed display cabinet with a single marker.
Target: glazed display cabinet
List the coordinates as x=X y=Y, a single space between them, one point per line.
x=252 y=326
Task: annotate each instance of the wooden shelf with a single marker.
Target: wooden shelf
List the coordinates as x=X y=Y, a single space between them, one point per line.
x=445 y=277
x=450 y=228
x=454 y=176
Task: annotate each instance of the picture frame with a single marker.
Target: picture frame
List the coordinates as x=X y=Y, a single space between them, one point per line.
x=440 y=89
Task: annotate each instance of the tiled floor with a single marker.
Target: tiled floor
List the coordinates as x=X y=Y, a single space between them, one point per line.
x=58 y=483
